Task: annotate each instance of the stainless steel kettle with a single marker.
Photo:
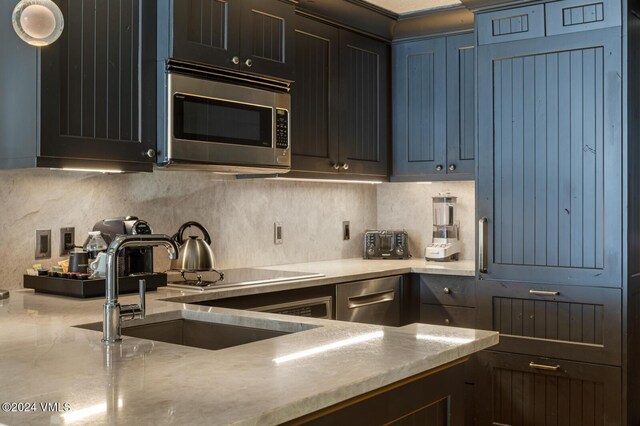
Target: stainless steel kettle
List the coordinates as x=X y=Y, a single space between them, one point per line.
x=195 y=254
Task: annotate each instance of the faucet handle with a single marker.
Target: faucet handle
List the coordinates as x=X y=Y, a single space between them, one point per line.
x=142 y=288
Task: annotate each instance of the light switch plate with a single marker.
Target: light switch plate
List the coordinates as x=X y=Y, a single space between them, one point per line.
x=67 y=240
x=43 y=244
x=277 y=233
x=346 y=230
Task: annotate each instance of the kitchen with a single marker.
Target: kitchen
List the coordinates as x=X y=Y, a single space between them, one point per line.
x=240 y=213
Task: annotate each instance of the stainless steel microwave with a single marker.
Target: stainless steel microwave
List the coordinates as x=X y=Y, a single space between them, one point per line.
x=225 y=127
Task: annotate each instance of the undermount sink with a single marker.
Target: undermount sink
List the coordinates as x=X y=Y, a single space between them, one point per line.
x=201 y=334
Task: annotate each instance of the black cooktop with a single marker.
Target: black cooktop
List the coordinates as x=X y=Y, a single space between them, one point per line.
x=233 y=277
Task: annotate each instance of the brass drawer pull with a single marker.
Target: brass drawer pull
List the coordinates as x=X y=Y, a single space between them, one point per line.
x=544 y=293
x=544 y=367
x=482 y=245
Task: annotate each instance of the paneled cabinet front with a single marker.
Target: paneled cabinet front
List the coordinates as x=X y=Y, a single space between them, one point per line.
x=549 y=175
x=526 y=390
x=339 y=97
x=247 y=35
x=433 y=107
x=92 y=93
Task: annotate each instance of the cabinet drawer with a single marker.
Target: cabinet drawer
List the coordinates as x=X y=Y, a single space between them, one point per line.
x=512 y=24
x=518 y=390
x=444 y=290
x=570 y=322
x=570 y=16
x=453 y=316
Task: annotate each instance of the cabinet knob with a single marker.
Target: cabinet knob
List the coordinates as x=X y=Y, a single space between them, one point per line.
x=345 y=166
x=446 y=290
x=452 y=167
x=336 y=166
x=151 y=153
x=235 y=60
x=248 y=63
x=439 y=167
x=447 y=321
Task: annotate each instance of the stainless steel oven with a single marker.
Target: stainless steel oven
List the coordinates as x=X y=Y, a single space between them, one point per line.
x=225 y=127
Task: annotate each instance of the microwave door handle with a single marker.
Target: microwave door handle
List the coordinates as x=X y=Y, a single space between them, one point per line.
x=371 y=299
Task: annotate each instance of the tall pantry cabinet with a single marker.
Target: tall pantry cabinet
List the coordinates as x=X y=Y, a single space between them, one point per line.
x=551 y=206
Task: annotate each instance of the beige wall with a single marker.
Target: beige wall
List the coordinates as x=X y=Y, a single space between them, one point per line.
x=238 y=213
x=409 y=206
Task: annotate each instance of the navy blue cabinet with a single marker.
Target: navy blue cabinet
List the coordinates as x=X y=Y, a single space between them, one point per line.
x=433 y=107
x=550 y=149
x=340 y=99
x=255 y=36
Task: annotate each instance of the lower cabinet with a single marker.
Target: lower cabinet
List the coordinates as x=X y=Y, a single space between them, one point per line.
x=527 y=390
x=435 y=398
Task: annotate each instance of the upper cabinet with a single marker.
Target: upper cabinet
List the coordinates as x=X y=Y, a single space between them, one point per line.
x=434 y=109
x=80 y=103
x=340 y=101
x=254 y=36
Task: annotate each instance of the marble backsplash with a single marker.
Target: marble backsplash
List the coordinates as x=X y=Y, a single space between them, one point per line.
x=409 y=206
x=239 y=214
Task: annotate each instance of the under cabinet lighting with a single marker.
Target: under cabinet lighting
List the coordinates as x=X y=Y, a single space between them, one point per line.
x=73 y=169
x=373 y=182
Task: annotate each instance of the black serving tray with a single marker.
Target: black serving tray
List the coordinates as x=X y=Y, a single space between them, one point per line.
x=91 y=288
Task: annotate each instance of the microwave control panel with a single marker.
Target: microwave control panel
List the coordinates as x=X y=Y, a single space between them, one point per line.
x=282 y=128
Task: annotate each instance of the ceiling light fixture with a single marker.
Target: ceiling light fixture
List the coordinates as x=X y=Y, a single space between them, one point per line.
x=37 y=22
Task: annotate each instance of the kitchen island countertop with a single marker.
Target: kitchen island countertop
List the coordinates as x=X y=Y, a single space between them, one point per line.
x=44 y=359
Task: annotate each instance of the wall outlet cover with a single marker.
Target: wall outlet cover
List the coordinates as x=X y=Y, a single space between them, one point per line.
x=43 y=244
x=67 y=240
x=277 y=233
x=346 y=230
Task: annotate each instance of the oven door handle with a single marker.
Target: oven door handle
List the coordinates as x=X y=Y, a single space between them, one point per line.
x=371 y=299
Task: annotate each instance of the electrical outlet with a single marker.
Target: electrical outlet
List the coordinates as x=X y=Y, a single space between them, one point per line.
x=43 y=244
x=346 y=230
x=67 y=240
x=277 y=233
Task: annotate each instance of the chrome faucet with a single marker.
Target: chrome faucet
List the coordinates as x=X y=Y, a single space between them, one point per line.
x=114 y=313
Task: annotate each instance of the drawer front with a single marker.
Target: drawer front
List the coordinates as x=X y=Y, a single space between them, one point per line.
x=453 y=316
x=512 y=24
x=524 y=390
x=570 y=322
x=448 y=290
x=570 y=16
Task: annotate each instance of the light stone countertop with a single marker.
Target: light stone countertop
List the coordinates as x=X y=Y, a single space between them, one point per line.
x=43 y=359
x=335 y=271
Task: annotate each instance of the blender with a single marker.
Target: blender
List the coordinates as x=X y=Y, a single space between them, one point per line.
x=445 y=245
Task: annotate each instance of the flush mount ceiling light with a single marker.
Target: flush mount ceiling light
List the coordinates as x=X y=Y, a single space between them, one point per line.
x=37 y=22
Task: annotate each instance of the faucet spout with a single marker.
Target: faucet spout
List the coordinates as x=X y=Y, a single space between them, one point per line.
x=113 y=311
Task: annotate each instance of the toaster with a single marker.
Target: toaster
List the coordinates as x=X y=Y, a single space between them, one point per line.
x=386 y=245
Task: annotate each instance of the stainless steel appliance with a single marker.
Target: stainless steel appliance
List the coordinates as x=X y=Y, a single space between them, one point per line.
x=386 y=245
x=372 y=302
x=195 y=254
x=226 y=126
x=131 y=260
x=321 y=307
x=445 y=245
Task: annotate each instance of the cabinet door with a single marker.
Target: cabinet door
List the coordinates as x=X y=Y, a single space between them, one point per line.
x=315 y=132
x=419 y=109
x=524 y=390
x=461 y=75
x=91 y=90
x=364 y=112
x=206 y=31
x=549 y=176
x=267 y=38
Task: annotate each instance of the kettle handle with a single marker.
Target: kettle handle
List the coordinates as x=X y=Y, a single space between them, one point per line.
x=178 y=236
